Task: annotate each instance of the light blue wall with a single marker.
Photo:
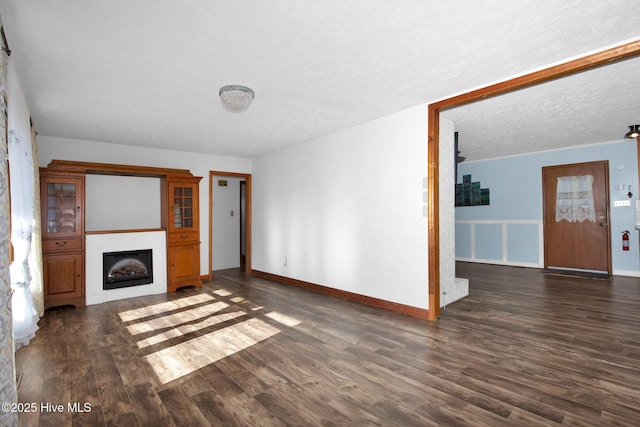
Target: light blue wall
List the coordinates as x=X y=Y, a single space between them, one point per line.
x=463 y=240
x=522 y=242
x=489 y=248
x=516 y=194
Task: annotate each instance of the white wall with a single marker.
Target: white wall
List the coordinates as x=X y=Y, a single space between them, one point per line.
x=199 y=164
x=446 y=207
x=115 y=202
x=226 y=226
x=346 y=210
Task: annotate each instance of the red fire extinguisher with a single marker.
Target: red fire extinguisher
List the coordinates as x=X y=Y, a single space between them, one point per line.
x=625 y=240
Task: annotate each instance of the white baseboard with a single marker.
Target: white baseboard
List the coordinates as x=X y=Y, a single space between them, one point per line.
x=500 y=262
x=629 y=273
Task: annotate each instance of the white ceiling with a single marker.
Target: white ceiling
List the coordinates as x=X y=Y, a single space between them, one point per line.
x=147 y=72
x=594 y=106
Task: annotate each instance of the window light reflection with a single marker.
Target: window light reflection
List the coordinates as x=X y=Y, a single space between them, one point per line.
x=175 y=319
x=180 y=317
x=181 y=359
x=189 y=328
x=163 y=307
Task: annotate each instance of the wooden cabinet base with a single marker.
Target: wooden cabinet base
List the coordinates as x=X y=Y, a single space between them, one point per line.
x=76 y=302
x=63 y=279
x=177 y=286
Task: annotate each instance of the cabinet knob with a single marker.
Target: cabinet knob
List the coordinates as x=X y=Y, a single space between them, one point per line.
x=61 y=243
x=184 y=236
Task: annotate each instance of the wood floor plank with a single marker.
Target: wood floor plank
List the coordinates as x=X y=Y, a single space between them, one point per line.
x=245 y=379
x=148 y=406
x=247 y=411
x=132 y=368
x=83 y=393
x=219 y=382
x=277 y=400
x=114 y=399
x=524 y=348
x=214 y=410
x=182 y=410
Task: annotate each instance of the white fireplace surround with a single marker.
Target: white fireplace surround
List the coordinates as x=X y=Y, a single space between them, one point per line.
x=98 y=244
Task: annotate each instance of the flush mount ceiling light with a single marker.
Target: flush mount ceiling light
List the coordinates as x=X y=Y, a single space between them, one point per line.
x=235 y=98
x=634 y=131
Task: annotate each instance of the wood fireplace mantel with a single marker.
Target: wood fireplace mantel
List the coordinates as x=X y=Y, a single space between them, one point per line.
x=136 y=230
x=114 y=169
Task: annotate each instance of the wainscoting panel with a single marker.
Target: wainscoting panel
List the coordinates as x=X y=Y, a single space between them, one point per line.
x=507 y=242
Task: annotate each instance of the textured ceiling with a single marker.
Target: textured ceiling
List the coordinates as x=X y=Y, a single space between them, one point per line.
x=590 y=107
x=147 y=72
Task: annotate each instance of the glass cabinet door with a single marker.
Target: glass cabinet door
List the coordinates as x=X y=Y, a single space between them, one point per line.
x=183 y=207
x=61 y=207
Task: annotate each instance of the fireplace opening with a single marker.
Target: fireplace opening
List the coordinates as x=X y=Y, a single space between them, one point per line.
x=127 y=268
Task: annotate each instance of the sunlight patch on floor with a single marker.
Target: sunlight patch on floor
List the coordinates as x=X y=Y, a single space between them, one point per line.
x=283 y=318
x=175 y=319
x=246 y=303
x=189 y=328
x=163 y=307
x=180 y=319
x=181 y=359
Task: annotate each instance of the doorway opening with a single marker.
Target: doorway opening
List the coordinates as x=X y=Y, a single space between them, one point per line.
x=230 y=221
x=611 y=55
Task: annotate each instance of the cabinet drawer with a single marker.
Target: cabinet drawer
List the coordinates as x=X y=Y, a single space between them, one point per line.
x=184 y=237
x=61 y=245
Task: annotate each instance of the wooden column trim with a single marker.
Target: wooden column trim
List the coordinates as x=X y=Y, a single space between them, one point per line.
x=433 y=211
x=607 y=56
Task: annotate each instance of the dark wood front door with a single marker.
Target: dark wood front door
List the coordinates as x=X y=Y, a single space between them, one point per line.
x=581 y=242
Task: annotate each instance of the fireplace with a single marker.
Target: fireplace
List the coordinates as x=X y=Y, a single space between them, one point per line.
x=127 y=268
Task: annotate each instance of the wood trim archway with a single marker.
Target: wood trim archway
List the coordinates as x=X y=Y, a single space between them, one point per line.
x=247 y=178
x=584 y=63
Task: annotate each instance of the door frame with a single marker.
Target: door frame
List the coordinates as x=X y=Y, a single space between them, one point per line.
x=247 y=178
x=606 y=56
x=242 y=212
x=604 y=163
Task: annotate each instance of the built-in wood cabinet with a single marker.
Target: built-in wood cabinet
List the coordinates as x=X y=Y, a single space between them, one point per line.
x=62 y=186
x=62 y=205
x=183 y=232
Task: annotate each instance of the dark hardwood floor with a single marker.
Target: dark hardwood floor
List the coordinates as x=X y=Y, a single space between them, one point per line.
x=523 y=349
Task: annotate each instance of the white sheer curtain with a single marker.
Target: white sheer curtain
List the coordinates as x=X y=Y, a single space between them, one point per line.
x=8 y=391
x=574 y=199
x=25 y=314
x=35 y=257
